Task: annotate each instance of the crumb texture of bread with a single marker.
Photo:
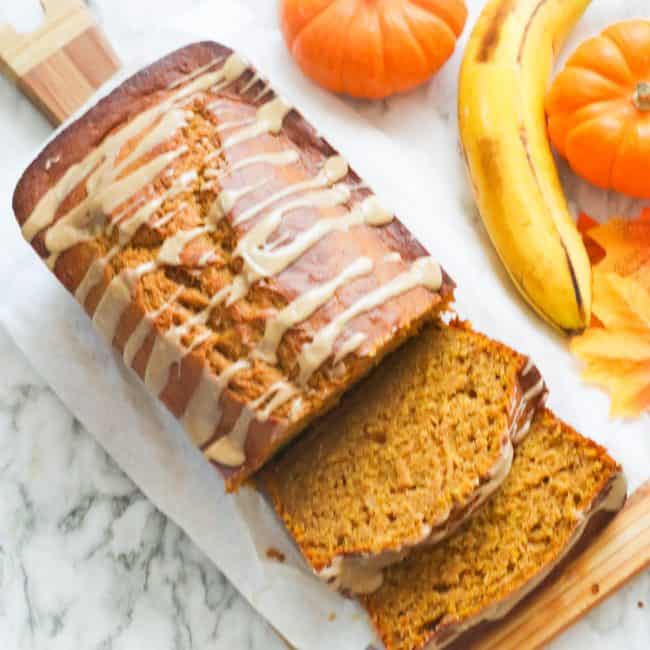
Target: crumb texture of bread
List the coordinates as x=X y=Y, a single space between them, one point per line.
x=522 y=531
x=409 y=452
x=228 y=252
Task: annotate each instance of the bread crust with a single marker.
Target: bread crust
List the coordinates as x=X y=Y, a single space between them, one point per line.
x=387 y=326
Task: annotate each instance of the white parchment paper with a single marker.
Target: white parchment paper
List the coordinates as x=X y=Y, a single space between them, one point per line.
x=430 y=194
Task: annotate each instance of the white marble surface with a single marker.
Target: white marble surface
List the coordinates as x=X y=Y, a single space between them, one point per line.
x=85 y=560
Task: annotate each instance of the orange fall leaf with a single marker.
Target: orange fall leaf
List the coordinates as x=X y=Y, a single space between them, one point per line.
x=615 y=349
x=594 y=251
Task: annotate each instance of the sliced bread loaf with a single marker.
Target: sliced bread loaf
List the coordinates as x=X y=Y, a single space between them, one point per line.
x=558 y=483
x=407 y=456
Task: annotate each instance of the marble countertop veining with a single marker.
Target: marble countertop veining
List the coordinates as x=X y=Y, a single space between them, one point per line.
x=86 y=561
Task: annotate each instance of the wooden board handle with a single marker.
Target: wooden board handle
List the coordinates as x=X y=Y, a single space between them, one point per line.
x=63 y=62
x=620 y=552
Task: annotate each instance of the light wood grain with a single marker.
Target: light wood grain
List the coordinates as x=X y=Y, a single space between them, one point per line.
x=59 y=65
x=620 y=552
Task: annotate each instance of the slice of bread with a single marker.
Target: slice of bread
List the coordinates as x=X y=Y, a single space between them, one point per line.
x=558 y=483
x=407 y=456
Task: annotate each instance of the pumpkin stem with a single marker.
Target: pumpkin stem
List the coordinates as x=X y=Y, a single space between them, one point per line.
x=642 y=96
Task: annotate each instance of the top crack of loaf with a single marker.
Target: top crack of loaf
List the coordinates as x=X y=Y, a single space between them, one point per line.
x=232 y=257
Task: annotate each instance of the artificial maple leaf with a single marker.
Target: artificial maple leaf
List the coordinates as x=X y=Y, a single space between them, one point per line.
x=594 y=251
x=619 y=302
x=618 y=361
x=597 y=343
x=615 y=349
x=626 y=243
x=627 y=382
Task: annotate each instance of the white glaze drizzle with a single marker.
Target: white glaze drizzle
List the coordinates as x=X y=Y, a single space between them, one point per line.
x=173 y=246
x=250 y=83
x=165 y=354
x=423 y=272
x=196 y=72
x=220 y=103
x=334 y=169
x=87 y=220
x=229 y=198
x=352 y=343
x=533 y=393
x=203 y=411
x=262 y=262
x=269 y=119
x=278 y=158
x=391 y=258
x=98 y=167
x=234 y=124
x=207 y=257
x=115 y=194
x=144 y=327
x=129 y=226
x=67 y=232
x=266 y=88
x=282 y=393
x=296 y=408
x=168 y=216
x=94 y=275
x=167 y=350
x=534 y=390
x=229 y=450
x=115 y=300
x=303 y=307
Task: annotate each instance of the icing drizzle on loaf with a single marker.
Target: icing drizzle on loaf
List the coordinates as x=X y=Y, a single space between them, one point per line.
x=122 y=195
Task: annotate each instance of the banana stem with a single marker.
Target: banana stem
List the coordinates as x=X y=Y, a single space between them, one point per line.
x=642 y=96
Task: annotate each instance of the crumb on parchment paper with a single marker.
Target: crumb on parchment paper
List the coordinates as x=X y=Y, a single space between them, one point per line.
x=274 y=554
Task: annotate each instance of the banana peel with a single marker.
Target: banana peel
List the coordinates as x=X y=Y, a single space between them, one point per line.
x=503 y=81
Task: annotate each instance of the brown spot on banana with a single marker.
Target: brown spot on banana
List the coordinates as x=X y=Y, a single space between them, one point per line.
x=492 y=34
x=488 y=150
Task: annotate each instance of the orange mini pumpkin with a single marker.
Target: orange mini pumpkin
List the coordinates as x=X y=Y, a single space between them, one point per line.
x=371 y=48
x=599 y=109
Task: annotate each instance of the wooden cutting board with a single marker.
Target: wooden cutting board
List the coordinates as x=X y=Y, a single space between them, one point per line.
x=63 y=62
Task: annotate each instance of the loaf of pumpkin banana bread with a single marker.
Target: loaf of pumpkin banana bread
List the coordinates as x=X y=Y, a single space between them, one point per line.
x=232 y=257
x=407 y=456
x=562 y=487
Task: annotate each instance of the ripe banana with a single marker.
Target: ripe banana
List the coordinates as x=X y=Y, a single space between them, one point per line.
x=504 y=77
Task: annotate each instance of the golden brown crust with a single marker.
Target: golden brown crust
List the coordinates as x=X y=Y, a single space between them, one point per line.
x=386 y=326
